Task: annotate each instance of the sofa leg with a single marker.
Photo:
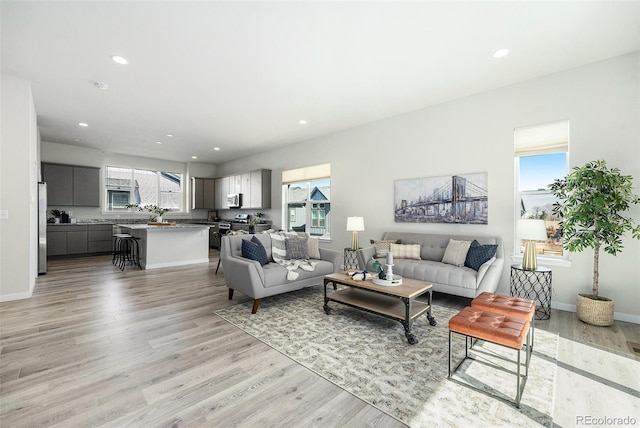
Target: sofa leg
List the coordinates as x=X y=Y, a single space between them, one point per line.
x=256 y=303
x=230 y=293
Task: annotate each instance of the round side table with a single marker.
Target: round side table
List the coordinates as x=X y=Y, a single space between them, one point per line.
x=533 y=285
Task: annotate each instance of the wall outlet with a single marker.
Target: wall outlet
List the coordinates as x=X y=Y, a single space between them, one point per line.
x=4 y=214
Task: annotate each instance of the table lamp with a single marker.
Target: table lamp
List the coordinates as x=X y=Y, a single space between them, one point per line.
x=355 y=225
x=531 y=230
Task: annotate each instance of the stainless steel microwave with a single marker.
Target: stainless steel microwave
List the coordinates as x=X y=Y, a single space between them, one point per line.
x=234 y=200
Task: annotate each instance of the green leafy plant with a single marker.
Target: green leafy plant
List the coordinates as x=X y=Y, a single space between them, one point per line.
x=592 y=200
x=154 y=210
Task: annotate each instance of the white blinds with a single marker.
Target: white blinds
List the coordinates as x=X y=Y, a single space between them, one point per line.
x=308 y=173
x=541 y=139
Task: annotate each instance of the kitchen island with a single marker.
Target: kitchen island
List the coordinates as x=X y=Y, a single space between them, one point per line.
x=176 y=245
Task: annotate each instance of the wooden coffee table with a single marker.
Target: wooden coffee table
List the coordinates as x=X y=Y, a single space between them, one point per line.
x=394 y=302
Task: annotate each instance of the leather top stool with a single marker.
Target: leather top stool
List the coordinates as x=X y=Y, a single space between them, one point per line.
x=508 y=305
x=504 y=330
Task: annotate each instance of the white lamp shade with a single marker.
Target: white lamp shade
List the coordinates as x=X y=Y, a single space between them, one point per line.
x=531 y=229
x=355 y=224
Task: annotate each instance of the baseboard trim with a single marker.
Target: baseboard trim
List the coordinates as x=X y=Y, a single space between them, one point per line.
x=620 y=316
x=16 y=296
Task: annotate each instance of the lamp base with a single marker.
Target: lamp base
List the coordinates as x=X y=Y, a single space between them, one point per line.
x=530 y=258
x=354 y=240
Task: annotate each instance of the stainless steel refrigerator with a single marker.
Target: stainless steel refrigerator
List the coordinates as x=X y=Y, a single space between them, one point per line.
x=42 y=228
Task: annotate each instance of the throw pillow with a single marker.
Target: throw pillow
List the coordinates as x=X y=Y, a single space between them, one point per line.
x=313 y=247
x=382 y=247
x=479 y=254
x=405 y=251
x=278 y=247
x=296 y=247
x=253 y=251
x=456 y=252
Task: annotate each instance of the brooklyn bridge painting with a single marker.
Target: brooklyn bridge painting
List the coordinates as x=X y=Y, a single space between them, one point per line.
x=447 y=199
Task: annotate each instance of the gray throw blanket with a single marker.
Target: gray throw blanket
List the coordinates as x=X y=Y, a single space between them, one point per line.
x=279 y=254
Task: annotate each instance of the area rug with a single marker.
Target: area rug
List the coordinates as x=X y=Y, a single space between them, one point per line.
x=368 y=356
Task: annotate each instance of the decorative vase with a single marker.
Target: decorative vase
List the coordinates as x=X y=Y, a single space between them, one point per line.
x=595 y=311
x=252 y=228
x=159 y=219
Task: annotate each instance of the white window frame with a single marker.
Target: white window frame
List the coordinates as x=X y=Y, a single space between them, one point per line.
x=306 y=175
x=131 y=188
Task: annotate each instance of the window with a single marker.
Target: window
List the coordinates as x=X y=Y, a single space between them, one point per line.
x=541 y=156
x=307 y=200
x=137 y=186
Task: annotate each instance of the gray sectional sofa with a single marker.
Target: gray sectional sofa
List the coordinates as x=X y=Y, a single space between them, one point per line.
x=258 y=281
x=446 y=278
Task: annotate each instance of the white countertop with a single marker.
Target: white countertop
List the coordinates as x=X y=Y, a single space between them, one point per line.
x=150 y=227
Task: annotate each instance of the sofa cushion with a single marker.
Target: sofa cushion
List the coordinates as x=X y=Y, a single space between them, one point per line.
x=382 y=247
x=456 y=252
x=296 y=247
x=254 y=251
x=479 y=254
x=436 y=273
x=405 y=251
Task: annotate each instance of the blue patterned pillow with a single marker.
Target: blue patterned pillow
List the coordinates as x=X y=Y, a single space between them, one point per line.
x=253 y=251
x=479 y=254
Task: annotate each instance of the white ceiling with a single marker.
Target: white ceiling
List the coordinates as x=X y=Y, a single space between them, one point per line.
x=240 y=75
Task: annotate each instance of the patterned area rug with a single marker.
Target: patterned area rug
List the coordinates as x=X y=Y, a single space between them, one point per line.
x=368 y=356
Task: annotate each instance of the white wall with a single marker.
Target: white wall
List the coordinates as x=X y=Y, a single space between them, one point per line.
x=18 y=189
x=73 y=155
x=475 y=134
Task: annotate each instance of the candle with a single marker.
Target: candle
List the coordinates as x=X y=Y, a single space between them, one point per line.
x=389 y=258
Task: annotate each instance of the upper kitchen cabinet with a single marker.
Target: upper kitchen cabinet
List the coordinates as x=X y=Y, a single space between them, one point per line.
x=221 y=192
x=70 y=185
x=260 y=188
x=203 y=193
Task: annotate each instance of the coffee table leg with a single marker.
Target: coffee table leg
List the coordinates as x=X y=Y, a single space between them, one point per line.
x=411 y=338
x=432 y=320
x=326 y=307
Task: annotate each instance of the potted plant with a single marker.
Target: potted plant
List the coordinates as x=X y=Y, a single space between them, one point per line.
x=155 y=211
x=592 y=200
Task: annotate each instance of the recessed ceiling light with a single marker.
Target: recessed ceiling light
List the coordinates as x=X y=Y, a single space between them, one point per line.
x=158 y=142
x=101 y=85
x=194 y=157
x=77 y=140
x=500 y=53
x=119 y=59
x=84 y=125
x=169 y=135
x=302 y=122
x=216 y=148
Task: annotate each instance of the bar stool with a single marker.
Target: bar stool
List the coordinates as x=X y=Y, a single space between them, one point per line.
x=126 y=250
x=117 y=246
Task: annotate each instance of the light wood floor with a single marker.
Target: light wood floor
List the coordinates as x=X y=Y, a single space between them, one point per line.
x=95 y=346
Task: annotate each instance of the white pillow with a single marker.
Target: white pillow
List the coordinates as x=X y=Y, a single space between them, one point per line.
x=405 y=251
x=456 y=252
x=313 y=247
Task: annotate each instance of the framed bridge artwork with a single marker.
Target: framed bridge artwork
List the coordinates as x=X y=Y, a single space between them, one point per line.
x=447 y=199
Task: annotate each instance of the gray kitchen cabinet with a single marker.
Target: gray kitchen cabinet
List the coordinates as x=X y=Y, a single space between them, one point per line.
x=255 y=187
x=70 y=185
x=203 y=193
x=59 y=179
x=56 y=243
x=77 y=241
x=86 y=186
x=99 y=238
